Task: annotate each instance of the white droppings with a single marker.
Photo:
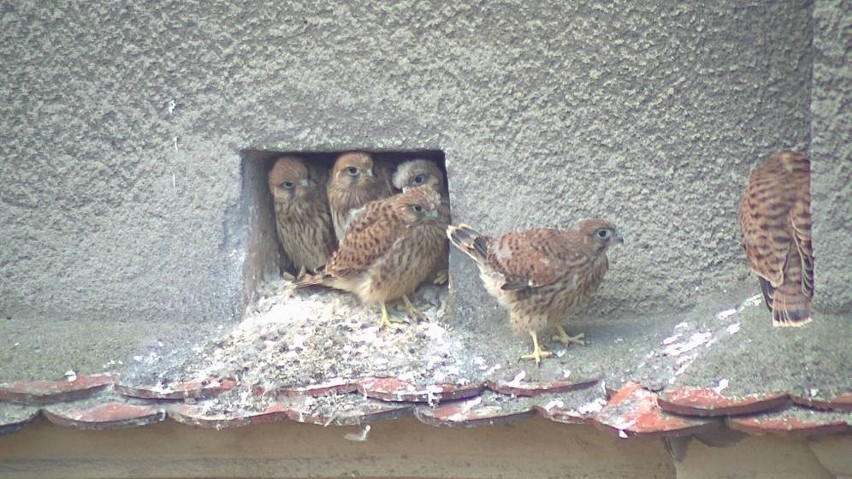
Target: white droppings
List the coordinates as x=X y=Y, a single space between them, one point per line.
x=592 y=407
x=360 y=436
x=464 y=409
x=752 y=301
x=697 y=339
x=516 y=381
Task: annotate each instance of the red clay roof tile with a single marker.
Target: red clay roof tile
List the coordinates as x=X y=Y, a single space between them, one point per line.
x=710 y=403
x=46 y=392
x=108 y=415
x=633 y=411
x=793 y=422
x=188 y=389
x=13 y=417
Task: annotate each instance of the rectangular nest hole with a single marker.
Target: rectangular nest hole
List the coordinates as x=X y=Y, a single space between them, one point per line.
x=267 y=258
x=303 y=335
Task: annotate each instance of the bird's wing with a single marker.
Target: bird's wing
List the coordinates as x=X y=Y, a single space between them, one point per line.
x=370 y=235
x=536 y=258
x=800 y=219
x=765 y=236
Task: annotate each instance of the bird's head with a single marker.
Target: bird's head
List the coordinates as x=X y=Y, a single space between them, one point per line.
x=420 y=205
x=600 y=234
x=418 y=173
x=353 y=169
x=291 y=181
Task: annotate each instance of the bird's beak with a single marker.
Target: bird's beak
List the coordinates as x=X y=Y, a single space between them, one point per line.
x=618 y=238
x=370 y=172
x=305 y=183
x=433 y=214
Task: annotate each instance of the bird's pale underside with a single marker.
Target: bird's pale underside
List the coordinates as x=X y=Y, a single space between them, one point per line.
x=302 y=217
x=421 y=172
x=389 y=249
x=541 y=275
x=776 y=226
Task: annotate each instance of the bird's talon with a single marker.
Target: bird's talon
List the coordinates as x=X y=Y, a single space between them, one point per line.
x=538 y=353
x=387 y=320
x=413 y=313
x=441 y=277
x=301 y=273
x=567 y=339
x=537 y=356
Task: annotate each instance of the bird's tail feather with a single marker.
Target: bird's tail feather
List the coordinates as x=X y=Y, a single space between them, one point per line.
x=768 y=291
x=311 y=280
x=790 y=308
x=469 y=241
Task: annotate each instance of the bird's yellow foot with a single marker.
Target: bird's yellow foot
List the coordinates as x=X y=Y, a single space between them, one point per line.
x=409 y=307
x=301 y=273
x=441 y=277
x=567 y=339
x=386 y=320
x=538 y=353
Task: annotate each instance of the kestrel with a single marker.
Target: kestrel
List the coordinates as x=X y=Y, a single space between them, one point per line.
x=421 y=172
x=776 y=223
x=389 y=250
x=302 y=217
x=355 y=181
x=541 y=275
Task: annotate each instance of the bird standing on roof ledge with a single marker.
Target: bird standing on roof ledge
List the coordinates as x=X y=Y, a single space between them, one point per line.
x=775 y=219
x=389 y=250
x=420 y=172
x=541 y=275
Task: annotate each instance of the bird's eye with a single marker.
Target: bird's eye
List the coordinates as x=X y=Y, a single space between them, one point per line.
x=352 y=171
x=288 y=185
x=418 y=180
x=603 y=233
x=417 y=208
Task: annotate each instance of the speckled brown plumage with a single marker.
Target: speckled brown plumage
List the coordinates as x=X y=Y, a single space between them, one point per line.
x=302 y=217
x=355 y=181
x=776 y=225
x=389 y=249
x=420 y=172
x=540 y=275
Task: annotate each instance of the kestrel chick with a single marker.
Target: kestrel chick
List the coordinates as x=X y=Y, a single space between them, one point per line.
x=776 y=223
x=302 y=218
x=355 y=181
x=541 y=275
x=388 y=250
x=419 y=173
x=410 y=174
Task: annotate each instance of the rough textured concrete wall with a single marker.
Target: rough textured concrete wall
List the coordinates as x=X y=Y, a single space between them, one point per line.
x=122 y=125
x=831 y=152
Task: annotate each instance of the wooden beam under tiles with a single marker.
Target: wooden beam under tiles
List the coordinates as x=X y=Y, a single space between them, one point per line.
x=401 y=448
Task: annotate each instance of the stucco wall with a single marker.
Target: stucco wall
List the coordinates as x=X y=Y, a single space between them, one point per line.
x=122 y=125
x=831 y=150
